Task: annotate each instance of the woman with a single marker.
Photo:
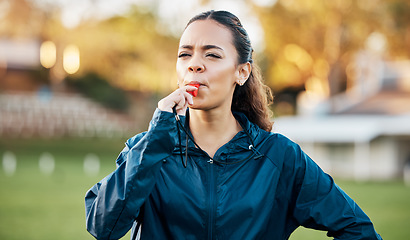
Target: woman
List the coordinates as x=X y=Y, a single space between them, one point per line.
x=215 y=171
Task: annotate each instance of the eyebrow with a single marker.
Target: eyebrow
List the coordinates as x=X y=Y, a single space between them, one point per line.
x=205 y=47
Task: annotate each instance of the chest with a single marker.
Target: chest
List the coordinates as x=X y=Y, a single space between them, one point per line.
x=211 y=194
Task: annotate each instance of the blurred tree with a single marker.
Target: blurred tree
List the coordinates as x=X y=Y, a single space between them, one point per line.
x=310 y=43
x=129 y=51
x=397 y=28
x=19 y=20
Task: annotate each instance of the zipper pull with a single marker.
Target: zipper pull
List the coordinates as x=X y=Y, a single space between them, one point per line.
x=211 y=161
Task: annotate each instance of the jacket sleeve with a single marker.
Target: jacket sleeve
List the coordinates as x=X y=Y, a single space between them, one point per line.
x=113 y=204
x=320 y=204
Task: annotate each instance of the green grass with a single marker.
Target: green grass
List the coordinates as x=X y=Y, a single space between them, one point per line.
x=37 y=206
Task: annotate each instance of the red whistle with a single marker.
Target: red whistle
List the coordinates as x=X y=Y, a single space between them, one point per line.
x=195 y=92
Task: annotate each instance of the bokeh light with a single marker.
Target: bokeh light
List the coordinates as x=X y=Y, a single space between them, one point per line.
x=71 y=59
x=48 y=54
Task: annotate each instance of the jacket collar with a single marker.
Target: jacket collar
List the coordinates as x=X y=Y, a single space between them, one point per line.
x=252 y=129
x=240 y=143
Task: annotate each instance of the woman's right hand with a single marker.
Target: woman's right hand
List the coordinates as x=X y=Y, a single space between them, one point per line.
x=179 y=98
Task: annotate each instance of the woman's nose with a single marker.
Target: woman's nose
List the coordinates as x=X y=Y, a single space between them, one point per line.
x=195 y=68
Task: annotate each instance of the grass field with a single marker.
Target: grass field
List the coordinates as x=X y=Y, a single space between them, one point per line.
x=44 y=207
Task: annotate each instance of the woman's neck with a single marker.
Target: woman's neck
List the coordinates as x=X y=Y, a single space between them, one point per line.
x=213 y=128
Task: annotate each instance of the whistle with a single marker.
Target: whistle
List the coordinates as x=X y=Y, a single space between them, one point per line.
x=195 y=92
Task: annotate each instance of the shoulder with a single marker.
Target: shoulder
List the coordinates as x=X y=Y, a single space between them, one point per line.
x=281 y=150
x=134 y=140
x=278 y=140
x=128 y=146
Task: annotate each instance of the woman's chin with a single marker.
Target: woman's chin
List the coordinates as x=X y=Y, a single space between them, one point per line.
x=194 y=106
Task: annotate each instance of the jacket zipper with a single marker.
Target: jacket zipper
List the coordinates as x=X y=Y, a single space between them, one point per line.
x=212 y=200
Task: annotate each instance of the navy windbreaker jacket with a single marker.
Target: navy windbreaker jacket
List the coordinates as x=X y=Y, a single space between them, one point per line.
x=263 y=191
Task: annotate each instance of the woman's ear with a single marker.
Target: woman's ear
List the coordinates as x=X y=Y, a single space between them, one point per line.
x=243 y=72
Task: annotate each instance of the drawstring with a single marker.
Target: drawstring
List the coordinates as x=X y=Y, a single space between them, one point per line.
x=251 y=147
x=179 y=124
x=184 y=162
x=254 y=150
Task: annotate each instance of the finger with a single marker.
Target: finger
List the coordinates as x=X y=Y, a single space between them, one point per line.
x=180 y=99
x=189 y=98
x=190 y=88
x=193 y=92
x=180 y=102
x=167 y=103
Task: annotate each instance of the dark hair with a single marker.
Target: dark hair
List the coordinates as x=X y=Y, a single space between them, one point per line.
x=254 y=97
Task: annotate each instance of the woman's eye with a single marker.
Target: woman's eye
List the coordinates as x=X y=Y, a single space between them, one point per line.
x=181 y=55
x=213 y=55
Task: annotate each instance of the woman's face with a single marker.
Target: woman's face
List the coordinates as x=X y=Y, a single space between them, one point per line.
x=207 y=56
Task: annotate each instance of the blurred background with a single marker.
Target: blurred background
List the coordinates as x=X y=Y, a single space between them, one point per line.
x=78 y=78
